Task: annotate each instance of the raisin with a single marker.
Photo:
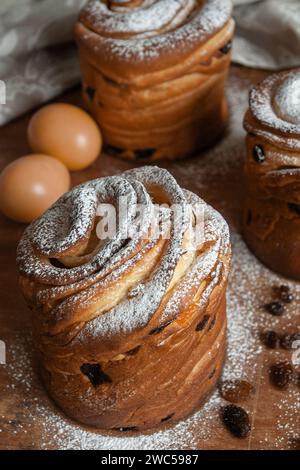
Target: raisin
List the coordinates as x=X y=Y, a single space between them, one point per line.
x=236 y=391
x=275 y=308
x=236 y=420
x=212 y=323
x=227 y=48
x=95 y=374
x=57 y=264
x=202 y=324
x=283 y=293
x=157 y=330
x=126 y=429
x=286 y=297
x=271 y=339
x=113 y=150
x=167 y=418
x=258 y=153
x=133 y=351
x=144 y=153
x=281 y=374
x=90 y=92
x=288 y=340
x=111 y=81
x=294 y=207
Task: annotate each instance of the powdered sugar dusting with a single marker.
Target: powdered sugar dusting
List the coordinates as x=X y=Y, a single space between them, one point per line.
x=249 y=287
x=41 y=240
x=275 y=103
x=287 y=99
x=288 y=421
x=147 y=18
x=245 y=320
x=153 y=26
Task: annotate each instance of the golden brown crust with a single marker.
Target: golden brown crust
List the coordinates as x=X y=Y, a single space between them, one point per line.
x=154 y=98
x=137 y=339
x=272 y=207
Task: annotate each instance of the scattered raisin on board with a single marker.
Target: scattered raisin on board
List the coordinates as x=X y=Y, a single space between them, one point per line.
x=236 y=420
x=281 y=374
x=271 y=339
x=236 y=391
x=287 y=341
x=275 y=308
x=283 y=293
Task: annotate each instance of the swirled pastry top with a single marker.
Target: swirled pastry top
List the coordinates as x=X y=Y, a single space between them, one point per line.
x=274 y=109
x=117 y=284
x=142 y=30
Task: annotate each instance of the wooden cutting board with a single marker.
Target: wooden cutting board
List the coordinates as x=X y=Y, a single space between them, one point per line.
x=29 y=420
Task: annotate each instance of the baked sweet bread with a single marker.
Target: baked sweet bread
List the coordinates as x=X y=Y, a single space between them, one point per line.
x=153 y=73
x=129 y=332
x=272 y=208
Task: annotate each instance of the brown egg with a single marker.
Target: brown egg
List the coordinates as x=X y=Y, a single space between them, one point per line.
x=31 y=184
x=67 y=133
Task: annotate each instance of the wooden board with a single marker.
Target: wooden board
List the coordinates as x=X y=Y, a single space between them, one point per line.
x=29 y=420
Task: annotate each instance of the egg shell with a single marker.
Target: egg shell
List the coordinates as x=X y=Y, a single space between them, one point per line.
x=67 y=133
x=30 y=185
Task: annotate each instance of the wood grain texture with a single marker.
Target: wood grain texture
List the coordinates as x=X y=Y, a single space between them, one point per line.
x=18 y=428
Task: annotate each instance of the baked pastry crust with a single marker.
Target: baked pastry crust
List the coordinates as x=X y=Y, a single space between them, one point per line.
x=271 y=220
x=153 y=74
x=129 y=333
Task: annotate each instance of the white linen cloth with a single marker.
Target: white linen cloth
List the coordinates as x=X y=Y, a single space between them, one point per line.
x=38 y=59
x=267 y=33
